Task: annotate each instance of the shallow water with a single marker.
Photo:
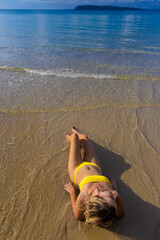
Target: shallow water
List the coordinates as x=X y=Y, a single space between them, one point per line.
x=99 y=72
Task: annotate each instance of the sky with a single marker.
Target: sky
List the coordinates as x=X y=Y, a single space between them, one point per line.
x=70 y=4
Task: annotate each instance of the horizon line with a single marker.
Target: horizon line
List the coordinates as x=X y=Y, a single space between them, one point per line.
x=69 y=9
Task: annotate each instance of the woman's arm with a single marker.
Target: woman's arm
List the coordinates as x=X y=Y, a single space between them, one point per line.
x=75 y=201
x=120 y=208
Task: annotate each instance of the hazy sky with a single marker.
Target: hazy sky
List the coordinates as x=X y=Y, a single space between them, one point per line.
x=69 y=4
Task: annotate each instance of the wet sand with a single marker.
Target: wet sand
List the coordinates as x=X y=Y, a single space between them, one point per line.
x=34 y=155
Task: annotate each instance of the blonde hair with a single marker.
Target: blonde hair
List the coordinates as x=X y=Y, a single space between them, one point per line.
x=99 y=212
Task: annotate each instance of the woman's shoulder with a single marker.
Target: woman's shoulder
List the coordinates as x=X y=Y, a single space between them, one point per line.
x=81 y=199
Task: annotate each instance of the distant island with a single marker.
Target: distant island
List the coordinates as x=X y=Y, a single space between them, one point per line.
x=96 y=7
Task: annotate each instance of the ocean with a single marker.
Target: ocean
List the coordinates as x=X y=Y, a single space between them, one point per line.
x=100 y=45
x=99 y=71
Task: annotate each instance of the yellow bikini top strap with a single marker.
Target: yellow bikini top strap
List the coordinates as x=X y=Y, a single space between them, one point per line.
x=83 y=164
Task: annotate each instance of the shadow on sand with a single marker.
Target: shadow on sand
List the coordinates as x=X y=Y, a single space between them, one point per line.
x=142 y=219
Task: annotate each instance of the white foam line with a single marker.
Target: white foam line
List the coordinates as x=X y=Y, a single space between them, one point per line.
x=58 y=72
x=68 y=73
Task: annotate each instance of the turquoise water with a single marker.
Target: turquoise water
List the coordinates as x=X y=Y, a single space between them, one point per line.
x=74 y=39
x=72 y=59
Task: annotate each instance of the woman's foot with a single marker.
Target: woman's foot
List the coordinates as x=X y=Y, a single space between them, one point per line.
x=80 y=135
x=68 y=136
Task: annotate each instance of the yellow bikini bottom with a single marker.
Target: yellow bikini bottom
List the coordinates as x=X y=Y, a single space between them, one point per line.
x=91 y=178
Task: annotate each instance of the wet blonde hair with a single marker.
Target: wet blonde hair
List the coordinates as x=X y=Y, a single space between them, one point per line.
x=99 y=212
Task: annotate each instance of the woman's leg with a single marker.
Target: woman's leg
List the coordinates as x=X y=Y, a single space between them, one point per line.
x=74 y=155
x=89 y=154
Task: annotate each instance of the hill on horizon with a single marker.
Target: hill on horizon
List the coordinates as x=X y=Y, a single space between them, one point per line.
x=97 y=7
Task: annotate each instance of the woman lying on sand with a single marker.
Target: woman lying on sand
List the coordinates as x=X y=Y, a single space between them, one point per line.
x=98 y=201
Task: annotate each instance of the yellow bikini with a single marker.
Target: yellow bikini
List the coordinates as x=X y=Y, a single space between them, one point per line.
x=91 y=178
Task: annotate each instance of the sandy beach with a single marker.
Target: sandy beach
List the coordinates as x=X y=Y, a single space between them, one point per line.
x=33 y=166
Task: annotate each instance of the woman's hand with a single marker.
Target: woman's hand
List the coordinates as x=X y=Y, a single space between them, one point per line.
x=69 y=188
x=114 y=183
x=116 y=195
